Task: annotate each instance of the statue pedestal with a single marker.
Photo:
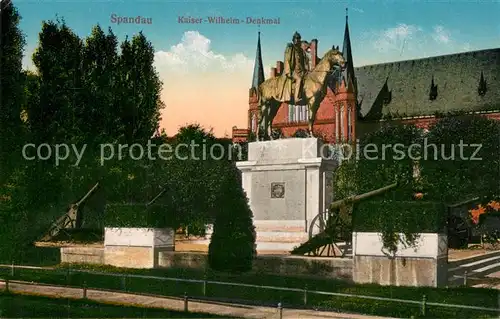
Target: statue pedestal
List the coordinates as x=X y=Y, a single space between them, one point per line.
x=288 y=182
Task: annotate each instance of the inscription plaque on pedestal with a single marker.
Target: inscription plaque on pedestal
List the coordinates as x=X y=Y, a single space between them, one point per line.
x=277 y=190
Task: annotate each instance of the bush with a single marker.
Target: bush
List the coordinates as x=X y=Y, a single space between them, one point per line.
x=232 y=245
x=301 y=133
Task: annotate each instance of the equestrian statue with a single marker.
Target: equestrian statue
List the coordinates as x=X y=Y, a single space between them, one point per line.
x=298 y=85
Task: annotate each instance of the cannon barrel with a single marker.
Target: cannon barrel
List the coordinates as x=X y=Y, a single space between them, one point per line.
x=157 y=196
x=356 y=198
x=90 y=192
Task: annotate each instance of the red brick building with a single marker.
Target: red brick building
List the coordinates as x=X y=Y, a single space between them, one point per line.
x=413 y=91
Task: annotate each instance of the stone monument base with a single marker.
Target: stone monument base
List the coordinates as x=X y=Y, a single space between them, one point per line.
x=288 y=183
x=424 y=265
x=272 y=236
x=136 y=247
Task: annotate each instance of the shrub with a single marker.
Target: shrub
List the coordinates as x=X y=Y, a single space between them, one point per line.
x=232 y=245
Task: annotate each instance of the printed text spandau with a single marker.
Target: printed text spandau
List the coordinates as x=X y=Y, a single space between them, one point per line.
x=225 y=20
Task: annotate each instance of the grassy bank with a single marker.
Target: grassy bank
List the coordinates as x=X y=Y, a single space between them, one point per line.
x=26 y=306
x=461 y=296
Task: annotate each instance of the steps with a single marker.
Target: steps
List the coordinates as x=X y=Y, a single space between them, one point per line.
x=476 y=267
x=271 y=236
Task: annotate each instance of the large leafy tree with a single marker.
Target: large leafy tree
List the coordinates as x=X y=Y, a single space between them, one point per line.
x=100 y=74
x=58 y=59
x=462 y=159
x=384 y=158
x=11 y=88
x=139 y=89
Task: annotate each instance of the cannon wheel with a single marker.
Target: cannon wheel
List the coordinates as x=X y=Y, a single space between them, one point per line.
x=327 y=221
x=458 y=232
x=319 y=223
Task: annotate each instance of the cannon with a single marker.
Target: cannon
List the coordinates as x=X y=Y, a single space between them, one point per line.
x=334 y=225
x=71 y=219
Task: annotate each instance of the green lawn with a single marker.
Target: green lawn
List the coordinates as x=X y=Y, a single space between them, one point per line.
x=462 y=296
x=25 y=306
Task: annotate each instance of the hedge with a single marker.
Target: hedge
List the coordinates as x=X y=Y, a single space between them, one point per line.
x=137 y=215
x=404 y=216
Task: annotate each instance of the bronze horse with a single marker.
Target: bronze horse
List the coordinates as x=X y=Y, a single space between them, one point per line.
x=270 y=92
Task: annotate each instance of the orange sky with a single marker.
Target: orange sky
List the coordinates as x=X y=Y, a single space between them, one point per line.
x=201 y=86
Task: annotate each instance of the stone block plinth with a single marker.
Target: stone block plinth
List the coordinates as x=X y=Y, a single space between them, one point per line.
x=136 y=247
x=426 y=264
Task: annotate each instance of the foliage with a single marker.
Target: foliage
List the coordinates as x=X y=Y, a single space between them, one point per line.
x=138 y=215
x=455 y=179
x=486 y=220
x=80 y=235
x=345 y=180
x=232 y=245
x=301 y=133
x=277 y=133
x=382 y=155
x=75 y=96
x=252 y=137
x=240 y=151
x=12 y=83
x=427 y=172
x=190 y=176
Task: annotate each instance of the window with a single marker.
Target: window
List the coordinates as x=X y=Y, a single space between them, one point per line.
x=349 y=124
x=341 y=133
x=298 y=113
x=254 y=123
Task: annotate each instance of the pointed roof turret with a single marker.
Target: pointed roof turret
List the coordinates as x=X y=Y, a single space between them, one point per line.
x=348 y=74
x=258 y=69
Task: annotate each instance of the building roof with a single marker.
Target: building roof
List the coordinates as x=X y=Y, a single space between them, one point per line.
x=258 y=68
x=403 y=88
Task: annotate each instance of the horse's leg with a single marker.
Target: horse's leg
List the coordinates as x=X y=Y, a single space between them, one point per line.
x=265 y=121
x=273 y=109
x=312 y=114
x=262 y=128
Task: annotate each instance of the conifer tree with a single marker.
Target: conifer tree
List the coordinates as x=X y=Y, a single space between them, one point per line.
x=232 y=245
